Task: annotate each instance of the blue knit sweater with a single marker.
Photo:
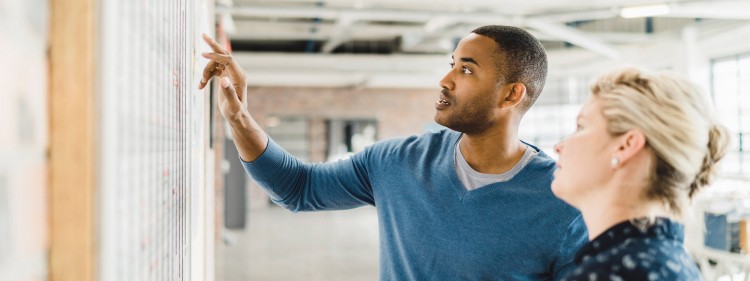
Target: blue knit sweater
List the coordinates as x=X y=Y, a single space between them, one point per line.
x=431 y=228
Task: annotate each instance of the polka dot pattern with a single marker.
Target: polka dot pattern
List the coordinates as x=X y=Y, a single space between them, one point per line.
x=633 y=252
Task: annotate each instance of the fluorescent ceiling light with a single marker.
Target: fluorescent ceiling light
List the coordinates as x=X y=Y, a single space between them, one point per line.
x=644 y=11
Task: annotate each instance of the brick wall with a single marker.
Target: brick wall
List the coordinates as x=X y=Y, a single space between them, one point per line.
x=399 y=112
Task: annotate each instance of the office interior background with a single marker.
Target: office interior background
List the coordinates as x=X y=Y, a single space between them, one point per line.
x=114 y=166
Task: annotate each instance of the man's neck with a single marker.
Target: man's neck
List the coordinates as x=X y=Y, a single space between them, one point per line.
x=492 y=152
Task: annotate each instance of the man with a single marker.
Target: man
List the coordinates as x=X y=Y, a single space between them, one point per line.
x=470 y=203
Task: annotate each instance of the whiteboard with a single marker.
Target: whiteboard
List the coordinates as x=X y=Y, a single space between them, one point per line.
x=151 y=141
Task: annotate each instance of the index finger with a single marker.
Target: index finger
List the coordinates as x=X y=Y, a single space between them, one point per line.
x=214 y=45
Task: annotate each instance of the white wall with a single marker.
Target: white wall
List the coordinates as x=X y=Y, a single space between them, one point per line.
x=23 y=140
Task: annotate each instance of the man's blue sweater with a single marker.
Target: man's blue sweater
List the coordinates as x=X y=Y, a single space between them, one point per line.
x=431 y=227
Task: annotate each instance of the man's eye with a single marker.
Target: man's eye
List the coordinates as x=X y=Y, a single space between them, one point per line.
x=466 y=70
x=452 y=65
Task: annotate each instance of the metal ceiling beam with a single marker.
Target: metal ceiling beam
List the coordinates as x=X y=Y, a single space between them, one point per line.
x=285 y=30
x=567 y=34
x=547 y=24
x=361 y=14
x=343 y=70
x=579 y=15
x=727 y=9
x=327 y=13
x=699 y=9
x=436 y=28
x=341 y=33
x=573 y=36
x=707 y=12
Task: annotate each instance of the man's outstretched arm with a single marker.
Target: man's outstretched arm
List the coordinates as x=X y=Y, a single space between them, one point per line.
x=248 y=136
x=297 y=186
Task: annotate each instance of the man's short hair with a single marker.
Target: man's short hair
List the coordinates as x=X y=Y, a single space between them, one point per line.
x=521 y=59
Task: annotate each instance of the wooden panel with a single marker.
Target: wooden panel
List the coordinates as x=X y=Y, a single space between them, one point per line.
x=72 y=123
x=745 y=236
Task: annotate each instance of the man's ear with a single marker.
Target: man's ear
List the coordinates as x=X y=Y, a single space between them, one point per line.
x=629 y=145
x=513 y=94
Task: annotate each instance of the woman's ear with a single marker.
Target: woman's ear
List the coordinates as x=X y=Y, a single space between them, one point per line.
x=628 y=145
x=513 y=94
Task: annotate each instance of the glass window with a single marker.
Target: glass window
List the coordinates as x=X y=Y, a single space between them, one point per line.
x=349 y=136
x=730 y=79
x=553 y=116
x=291 y=133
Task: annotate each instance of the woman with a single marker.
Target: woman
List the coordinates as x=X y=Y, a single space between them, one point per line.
x=644 y=146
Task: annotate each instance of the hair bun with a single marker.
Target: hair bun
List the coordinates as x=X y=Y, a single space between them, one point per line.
x=718 y=145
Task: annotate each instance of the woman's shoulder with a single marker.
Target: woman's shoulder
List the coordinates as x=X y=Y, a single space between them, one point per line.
x=639 y=259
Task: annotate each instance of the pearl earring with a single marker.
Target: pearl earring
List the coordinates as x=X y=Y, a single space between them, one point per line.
x=615 y=161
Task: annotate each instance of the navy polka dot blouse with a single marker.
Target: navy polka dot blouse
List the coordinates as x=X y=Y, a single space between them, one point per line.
x=629 y=252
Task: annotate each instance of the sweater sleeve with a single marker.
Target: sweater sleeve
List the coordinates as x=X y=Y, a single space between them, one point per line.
x=300 y=186
x=575 y=238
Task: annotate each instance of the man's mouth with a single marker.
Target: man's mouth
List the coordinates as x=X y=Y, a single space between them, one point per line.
x=443 y=102
x=443 y=93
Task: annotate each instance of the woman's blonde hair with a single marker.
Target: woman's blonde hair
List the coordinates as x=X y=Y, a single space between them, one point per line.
x=678 y=123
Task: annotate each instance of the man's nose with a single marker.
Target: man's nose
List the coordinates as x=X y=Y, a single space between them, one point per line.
x=447 y=81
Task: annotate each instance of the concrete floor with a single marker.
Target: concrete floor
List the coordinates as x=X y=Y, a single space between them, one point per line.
x=332 y=246
x=279 y=245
